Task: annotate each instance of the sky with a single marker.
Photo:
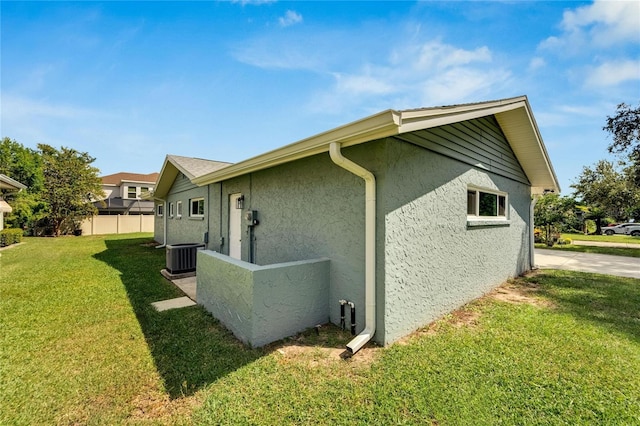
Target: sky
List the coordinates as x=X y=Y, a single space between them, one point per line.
x=130 y=82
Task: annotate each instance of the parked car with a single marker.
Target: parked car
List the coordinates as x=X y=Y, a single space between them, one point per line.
x=623 y=229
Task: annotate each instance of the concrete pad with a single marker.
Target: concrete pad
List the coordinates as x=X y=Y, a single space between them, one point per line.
x=621 y=266
x=188 y=286
x=180 y=302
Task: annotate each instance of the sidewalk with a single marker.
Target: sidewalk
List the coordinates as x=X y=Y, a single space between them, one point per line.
x=588 y=262
x=605 y=244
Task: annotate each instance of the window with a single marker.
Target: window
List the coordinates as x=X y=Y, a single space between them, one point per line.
x=170 y=209
x=197 y=207
x=486 y=203
x=143 y=189
x=131 y=192
x=160 y=209
x=179 y=209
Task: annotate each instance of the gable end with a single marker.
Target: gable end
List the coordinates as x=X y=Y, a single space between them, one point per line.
x=479 y=142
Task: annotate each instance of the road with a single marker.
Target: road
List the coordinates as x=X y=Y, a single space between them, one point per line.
x=621 y=266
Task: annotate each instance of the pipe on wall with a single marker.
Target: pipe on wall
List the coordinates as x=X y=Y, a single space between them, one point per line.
x=370 y=245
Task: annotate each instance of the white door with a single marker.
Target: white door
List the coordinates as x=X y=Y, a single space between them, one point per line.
x=235 y=228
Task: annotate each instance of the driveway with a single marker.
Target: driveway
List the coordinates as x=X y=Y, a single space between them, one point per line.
x=588 y=262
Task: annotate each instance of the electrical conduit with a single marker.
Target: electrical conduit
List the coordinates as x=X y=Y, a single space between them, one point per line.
x=370 y=245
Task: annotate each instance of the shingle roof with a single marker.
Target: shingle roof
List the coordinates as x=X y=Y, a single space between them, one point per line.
x=117 y=178
x=195 y=167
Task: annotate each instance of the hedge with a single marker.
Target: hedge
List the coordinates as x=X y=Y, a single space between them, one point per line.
x=10 y=236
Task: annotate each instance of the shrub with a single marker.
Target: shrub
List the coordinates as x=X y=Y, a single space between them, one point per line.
x=564 y=241
x=10 y=236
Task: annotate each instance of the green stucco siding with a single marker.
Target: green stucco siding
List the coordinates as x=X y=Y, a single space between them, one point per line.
x=432 y=261
x=185 y=229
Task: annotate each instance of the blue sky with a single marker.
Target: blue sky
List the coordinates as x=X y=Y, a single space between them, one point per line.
x=130 y=82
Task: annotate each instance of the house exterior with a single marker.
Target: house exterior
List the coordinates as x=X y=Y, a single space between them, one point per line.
x=179 y=203
x=402 y=216
x=7 y=185
x=123 y=194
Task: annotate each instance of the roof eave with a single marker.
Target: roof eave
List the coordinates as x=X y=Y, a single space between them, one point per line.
x=377 y=126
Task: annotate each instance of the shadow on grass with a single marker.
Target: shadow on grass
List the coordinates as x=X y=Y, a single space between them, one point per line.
x=190 y=348
x=607 y=301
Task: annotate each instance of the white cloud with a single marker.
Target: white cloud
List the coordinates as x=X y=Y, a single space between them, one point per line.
x=613 y=73
x=442 y=56
x=290 y=18
x=537 y=63
x=601 y=24
x=17 y=108
x=431 y=73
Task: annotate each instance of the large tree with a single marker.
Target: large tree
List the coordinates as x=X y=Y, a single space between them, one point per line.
x=24 y=165
x=610 y=189
x=624 y=127
x=70 y=183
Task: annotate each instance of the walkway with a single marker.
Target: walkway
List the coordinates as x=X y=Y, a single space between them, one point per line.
x=605 y=244
x=588 y=262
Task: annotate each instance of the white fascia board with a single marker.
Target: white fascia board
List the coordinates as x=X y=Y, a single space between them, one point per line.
x=166 y=177
x=138 y=181
x=520 y=128
x=7 y=183
x=377 y=126
x=413 y=120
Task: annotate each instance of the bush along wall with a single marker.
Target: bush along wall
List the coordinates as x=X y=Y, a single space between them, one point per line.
x=10 y=236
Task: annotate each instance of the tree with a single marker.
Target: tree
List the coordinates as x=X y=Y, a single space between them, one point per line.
x=609 y=189
x=24 y=165
x=550 y=211
x=624 y=126
x=70 y=183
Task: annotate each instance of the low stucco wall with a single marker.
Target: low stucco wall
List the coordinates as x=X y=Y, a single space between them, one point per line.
x=262 y=304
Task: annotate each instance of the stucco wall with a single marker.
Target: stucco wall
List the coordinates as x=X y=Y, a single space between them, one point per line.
x=261 y=304
x=433 y=261
x=158 y=224
x=309 y=209
x=185 y=229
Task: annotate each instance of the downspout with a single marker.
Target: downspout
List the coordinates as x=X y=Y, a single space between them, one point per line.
x=370 y=246
x=532 y=254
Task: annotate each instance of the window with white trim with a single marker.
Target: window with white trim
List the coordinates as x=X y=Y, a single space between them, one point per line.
x=170 y=209
x=160 y=209
x=179 y=209
x=484 y=203
x=197 y=207
x=132 y=192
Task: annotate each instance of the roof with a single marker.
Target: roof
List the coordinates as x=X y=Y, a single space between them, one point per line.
x=514 y=116
x=5 y=207
x=11 y=184
x=118 y=178
x=192 y=168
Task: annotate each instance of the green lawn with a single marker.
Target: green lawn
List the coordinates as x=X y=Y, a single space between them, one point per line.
x=604 y=238
x=82 y=345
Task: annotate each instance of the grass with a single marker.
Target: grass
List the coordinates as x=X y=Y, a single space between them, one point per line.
x=81 y=345
x=615 y=251
x=628 y=239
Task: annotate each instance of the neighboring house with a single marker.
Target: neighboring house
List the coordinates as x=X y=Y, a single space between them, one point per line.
x=7 y=185
x=403 y=215
x=123 y=193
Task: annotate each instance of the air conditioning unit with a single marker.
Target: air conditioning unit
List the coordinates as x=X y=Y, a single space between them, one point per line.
x=181 y=258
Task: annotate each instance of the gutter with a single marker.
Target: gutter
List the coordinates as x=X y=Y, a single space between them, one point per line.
x=370 y=245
